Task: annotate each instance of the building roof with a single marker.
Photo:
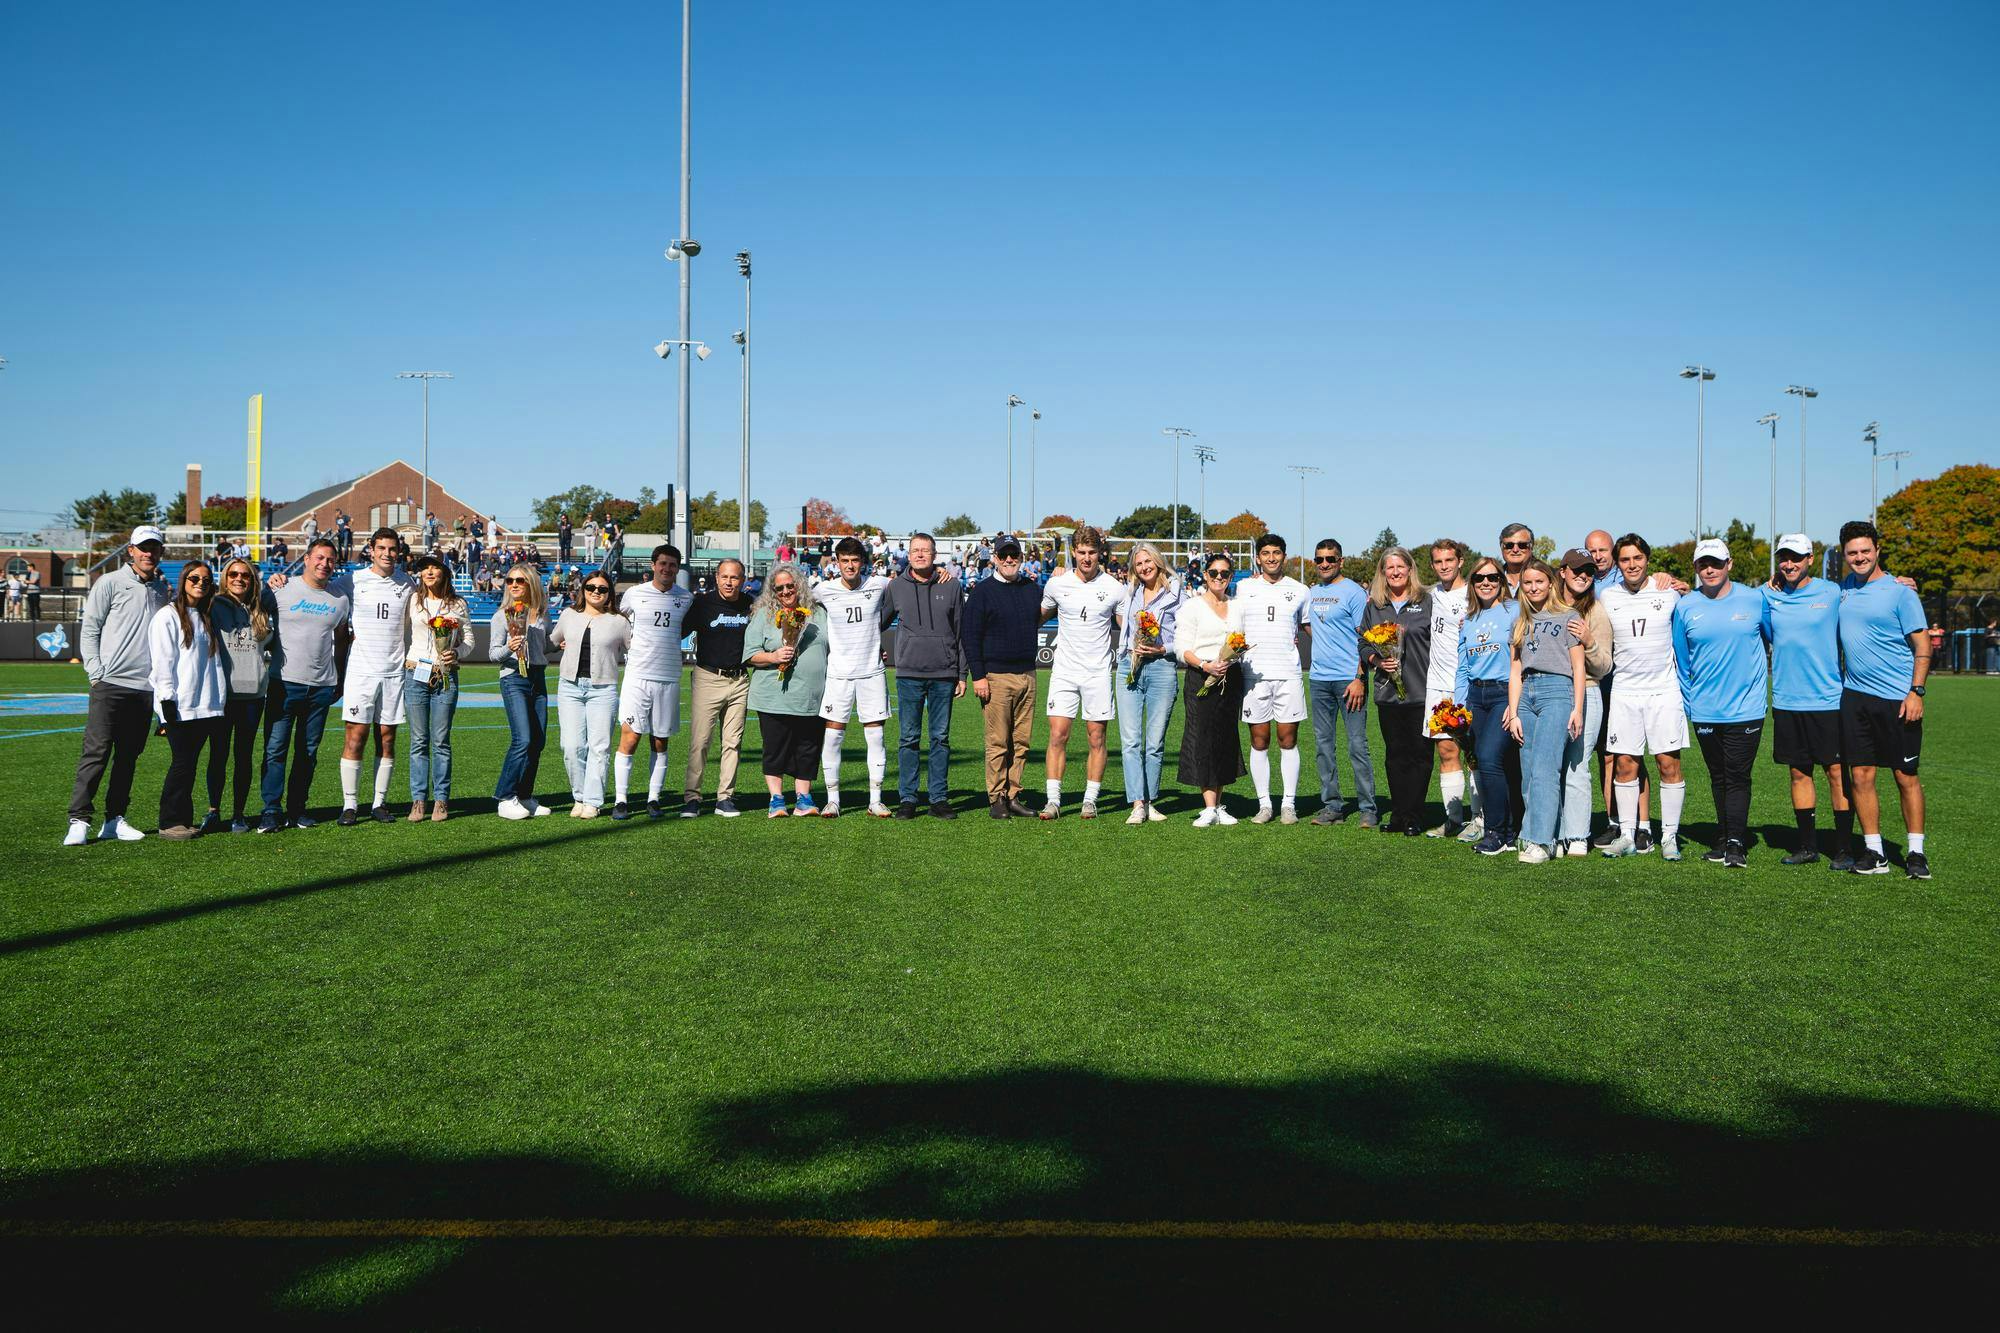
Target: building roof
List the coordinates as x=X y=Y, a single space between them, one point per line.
x=314 y=499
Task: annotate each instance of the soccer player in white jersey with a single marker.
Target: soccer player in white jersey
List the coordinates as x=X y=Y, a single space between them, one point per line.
x=1645 y=712
x=1458 y=780
x=649 y=699
x=1085 y=600
x=372 y=698
x=855 y=682
x=1274 y=607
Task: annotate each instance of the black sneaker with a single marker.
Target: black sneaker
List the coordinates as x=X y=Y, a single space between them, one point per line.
x=1606 y=838
x=1804 y=856
x=211 y=822
x=1871 y=862
x=304 y=821
x=621 y=811
x=1734 y=856
x=381 y=815
x=1490 y=845
x=906 y=810
x=1841 y=861
x=1917 y=866
x=268 y=824
x=653 y=810
x=943 y=810
x=1715 y=855
x=1643 y=840
x=349 y=817
x=691 y=809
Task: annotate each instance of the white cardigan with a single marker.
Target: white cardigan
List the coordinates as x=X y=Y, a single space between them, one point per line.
x=191 y=675
x=423 y=644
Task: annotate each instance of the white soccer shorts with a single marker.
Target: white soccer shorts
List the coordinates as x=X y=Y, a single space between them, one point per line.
x=1653 y=723
x=1274 y=699
x=865 y=697
x=650 y=707
x=377 y=700
x=1089 y=695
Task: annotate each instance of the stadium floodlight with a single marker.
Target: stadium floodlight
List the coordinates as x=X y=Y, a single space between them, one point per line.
x=1873 y=435
x=1034 y=439
x=665 y=347
x=1181 y=436
x=1014 y=400
x=1802 y=393
x=742 y=339
x=1203 y=456
x=1701 y=375
x=1304 y=470
x=426 y=376
x=1771 y=419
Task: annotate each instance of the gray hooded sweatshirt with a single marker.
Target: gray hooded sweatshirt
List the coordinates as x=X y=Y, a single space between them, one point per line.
x=927 y=618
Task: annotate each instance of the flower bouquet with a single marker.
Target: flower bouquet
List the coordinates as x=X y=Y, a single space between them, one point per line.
x=1148 y=637
x=790 y=620
x=517 y=627
x=1232 y=648
x=443 y=628
x=1453 y=720
x=1383 y=637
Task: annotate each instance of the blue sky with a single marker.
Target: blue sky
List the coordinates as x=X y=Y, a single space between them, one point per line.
x=1453 y=254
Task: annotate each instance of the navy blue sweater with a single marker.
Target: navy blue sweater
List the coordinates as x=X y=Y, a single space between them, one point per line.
x=1001 y=623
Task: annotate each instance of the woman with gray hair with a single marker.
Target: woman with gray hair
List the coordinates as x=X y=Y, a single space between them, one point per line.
x=785 y=643
x=1147 y=681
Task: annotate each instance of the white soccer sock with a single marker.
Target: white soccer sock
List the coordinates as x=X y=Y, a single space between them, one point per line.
x=1626 y=794
x=878 y=760
x=350 y=783
x=1672 y=795
x=829 y=760
x=1090 y=790
x=1916 y=844
x=383 y=768
x=1452 y=787
x=658 y=776
x=1873 y=842
x=1054 y=788
x=621 y=766
x=1288 y=772
x=1260 y=774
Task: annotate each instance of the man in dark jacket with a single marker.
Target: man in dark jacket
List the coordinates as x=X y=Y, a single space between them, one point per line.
x=1002 y=619
x=930 y=671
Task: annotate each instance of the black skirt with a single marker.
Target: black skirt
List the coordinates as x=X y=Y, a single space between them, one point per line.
x=1211 y=742
x=791 y=744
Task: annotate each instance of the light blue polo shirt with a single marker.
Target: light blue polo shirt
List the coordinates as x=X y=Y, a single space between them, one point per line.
x=1719 y=649
x=1334 y=612
x=1876 y=620
x=1803 y=626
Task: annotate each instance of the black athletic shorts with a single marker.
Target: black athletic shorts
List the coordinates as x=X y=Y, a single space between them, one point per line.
x=1805 y=740
x=1873 y=736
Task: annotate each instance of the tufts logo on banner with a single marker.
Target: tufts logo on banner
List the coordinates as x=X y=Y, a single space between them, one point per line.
x=55 y=643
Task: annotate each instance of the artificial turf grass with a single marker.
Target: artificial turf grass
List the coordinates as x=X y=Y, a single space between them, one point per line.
x=810 y=1017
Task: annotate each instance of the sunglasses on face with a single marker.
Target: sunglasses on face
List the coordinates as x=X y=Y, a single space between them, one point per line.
x=1326 y=560
x=522 y=582
x=1516 y=546
x=239 y=574
x=598 y=588
x=1485 y=578
x=1218 y=573
x=196 y=580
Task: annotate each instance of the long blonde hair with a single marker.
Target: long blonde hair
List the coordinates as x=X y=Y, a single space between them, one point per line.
x=260 y=620
x=1552 y=600
x=1378 y=589
x=538 y=598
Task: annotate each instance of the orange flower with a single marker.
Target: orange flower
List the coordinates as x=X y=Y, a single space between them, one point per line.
x=1236 y=643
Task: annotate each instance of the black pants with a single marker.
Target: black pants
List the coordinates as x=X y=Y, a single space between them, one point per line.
x=186 y=740
x=1407 y=758
x=234 y=747
x=791 y=744
x=115 y=732
x=1730 y=750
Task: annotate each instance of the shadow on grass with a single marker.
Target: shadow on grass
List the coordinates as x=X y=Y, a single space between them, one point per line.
x=1422 y=1144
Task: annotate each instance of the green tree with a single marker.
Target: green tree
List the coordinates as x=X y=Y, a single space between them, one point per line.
x=1751 y=553
x=1944 y=532
x=708 y=514
x=113 y=517
x=579 y=502
x=958 y=525
x=1157 y=521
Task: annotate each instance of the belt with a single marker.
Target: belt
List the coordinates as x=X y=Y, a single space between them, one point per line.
x=731 y=673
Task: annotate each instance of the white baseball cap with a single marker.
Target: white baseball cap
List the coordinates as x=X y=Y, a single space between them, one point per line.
x=146 y=532
x=1796 y=542
x=1711 y=548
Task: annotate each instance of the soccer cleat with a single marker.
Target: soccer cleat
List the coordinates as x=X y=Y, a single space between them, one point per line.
x=1533 y=854
x=116 y=828
x=653 y=810
x=1153 y=815
x=1643 y=839
x=806 y=806
x=777 y=808
x=349 y=817
x=511 y=809
x=1263 y=815
x=1871 y=862
x=1448 y=829
x=943 y=810
x=1089 y=810
x=1670 y=848
x=906 y=810
x=1473 y=832
x=726 y=807
x=1490 y=845
x=1288 y=813
x=1051 y=810
x=621 y=811
x=1734 y=856
x=691 y=808
x=1917 y=866
x=79 y=833
x=1223 y=817
x=1620 y=846
x=1206 y=819
x=1327 y=817
x=1841 y=861
x=381 y=815
x=1713 y=855
x=1804 y=856
x=878 y=810
x=267 y=824
x=1138 y=815
x=831 y=810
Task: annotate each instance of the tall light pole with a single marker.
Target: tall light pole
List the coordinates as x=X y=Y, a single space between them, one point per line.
x=1014 y=400
x=1873 y=434
x=1181 y=435
x=1701 y=375
x=1304 y=470
x=1802 y=393
x=1203 y=456
x=680 y=252
x=743 y=480
x=1771 y=419
x=1034 y=440
x=424 y=508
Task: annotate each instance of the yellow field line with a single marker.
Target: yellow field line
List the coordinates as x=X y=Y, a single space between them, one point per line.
x=909 y=1229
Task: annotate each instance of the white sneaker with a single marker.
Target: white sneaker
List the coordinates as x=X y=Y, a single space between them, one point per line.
x=1206 y=817
x=1153 y=815
x=1223 y=817
x=1533 y=854
x=1263 y=815
x=1473 y=832
x=536 y=808
x=79 y=833
x=1288 y=813
x=1623 y=846
x=1138 y=815
x=511 y=809
x=116 y=827
x=1578 y=847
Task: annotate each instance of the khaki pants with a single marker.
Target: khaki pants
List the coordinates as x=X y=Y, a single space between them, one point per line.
x=1009 y=712
x=716 y=698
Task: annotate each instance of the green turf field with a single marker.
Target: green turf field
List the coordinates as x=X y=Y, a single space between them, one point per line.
x=756 y=1020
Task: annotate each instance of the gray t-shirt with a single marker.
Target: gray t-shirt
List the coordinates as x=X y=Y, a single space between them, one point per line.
x=307 y=619
x=1546 y=645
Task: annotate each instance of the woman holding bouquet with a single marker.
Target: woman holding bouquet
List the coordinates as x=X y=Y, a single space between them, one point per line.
x=1481 y=685
x=520 y=645
x=1545 y=689
x=786 y=644
x=593 y=638
x=1396 y=651
x=1147 y=682
x=1209 y=642
x=440 y=629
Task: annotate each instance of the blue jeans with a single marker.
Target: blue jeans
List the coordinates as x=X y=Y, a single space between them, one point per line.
x=916 y=700
x=1329 y=717
x=1579 y=772
x=428 y=713
x=588 y=712
x=1546 y=700
x=300 y=716
x=1143 y=712
x=526 y=700
x=1499 y=760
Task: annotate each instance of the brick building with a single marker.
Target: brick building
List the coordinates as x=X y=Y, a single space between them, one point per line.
x=386 y=497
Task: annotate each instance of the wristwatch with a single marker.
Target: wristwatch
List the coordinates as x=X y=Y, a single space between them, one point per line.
x=1917 y=690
